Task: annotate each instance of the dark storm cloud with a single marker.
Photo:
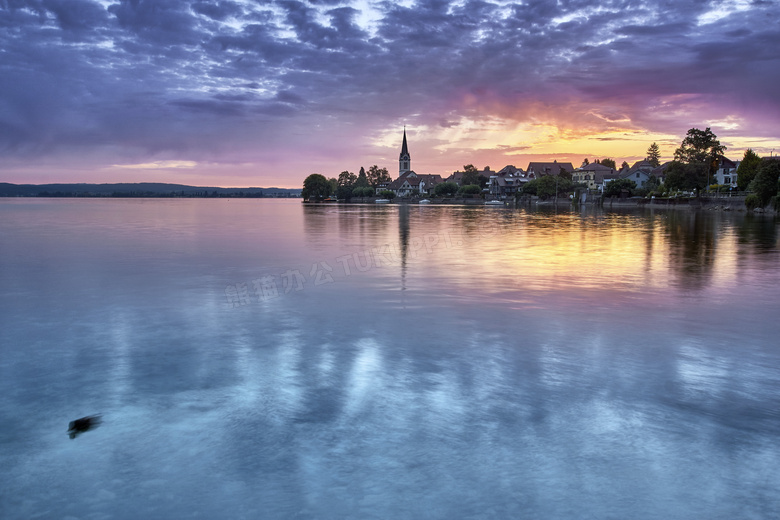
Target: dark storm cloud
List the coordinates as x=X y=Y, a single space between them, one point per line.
x=181 y=74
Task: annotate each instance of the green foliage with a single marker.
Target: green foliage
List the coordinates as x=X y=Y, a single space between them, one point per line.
x=765 y=184
x=315 y=187
x=363 y=191
x=699 y=146
x=445 y=189
x=681 y=176
x=377 y=176
x=362 y=180
x=752 y=202
x=747 y=169
x=346 y=178
x=334 y=183
x=615 y=188
x=652 y=183
x=544 y=187
x=624 y=165
x=654 y=155
x=699 y=151
x=470 y=175
x=344 y=192
x=609 y=163
x=387 y=194
x=470 y=189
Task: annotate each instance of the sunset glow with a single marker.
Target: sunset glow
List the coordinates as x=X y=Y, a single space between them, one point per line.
x=243 y=93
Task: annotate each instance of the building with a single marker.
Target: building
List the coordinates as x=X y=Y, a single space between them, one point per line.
x=548 y=168
x=409 y=182
x=594 y=175
x=412 y=183
x=507 y=181
x=727 y=172
x=404 y=159
x=640 y=173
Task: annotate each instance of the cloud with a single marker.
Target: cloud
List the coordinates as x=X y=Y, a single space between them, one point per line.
x=158 y=165
x=147 y=81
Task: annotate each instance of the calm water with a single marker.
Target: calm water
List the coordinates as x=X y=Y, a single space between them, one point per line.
x=266 y=359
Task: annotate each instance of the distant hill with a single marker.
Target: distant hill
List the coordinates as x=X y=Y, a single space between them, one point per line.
x=141 y=189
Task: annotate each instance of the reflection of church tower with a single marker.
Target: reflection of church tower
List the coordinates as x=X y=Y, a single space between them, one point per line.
x=405 y=160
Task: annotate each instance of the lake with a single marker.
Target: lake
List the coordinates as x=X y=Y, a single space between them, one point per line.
x=270 y=359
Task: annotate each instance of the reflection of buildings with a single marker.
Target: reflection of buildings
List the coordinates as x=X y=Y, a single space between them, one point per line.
x=403 y=232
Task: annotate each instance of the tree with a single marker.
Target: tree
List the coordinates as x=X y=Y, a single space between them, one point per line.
x=563 y=174
x=544 y=187
x=680 y=176
x=624 y=165
x=654 y=155
x=334 y=184
x=363 y=191
x=445 y=189
x=362 y=180
x=747 y=169
x=387 y=194
x=346 y=178
x=585 y=162
x=765 y=183
x=699 y=147
x=315 y=187
x=609 y=163
x=377 y=176
x=616 y=187
x=470 y=175
x=700 y=150
x=344 y=192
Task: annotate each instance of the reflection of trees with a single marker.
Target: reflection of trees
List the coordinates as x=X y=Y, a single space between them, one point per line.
x=692 y=238
x=315 y=217
x=759 y=232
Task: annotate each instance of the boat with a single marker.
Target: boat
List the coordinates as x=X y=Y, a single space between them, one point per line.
x=382 y=201
x=494 y=203
x=424 y=201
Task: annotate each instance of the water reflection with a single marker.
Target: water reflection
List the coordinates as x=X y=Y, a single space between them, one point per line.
x=506 y=363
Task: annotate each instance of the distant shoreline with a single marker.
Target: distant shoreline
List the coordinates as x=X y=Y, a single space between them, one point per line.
x=141 y=190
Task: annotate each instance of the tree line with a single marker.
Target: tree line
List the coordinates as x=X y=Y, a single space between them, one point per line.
x=347 y=185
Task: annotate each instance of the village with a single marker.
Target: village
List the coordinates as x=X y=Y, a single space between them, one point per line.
x=700 y=168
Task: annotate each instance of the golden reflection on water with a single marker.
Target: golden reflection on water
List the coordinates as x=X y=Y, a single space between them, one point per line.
x=506 y=254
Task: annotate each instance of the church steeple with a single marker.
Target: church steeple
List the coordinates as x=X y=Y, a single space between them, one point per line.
x=404 y=160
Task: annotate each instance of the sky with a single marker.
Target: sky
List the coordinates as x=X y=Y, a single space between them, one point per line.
x=264 y=93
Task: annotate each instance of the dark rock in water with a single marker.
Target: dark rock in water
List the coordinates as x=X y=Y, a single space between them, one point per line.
x=79 y=426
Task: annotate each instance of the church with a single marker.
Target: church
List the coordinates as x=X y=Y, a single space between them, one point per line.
x=409 y=183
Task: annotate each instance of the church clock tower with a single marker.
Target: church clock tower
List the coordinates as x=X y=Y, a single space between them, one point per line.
x=404 y=160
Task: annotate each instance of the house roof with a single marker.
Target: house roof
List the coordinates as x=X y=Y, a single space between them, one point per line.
x=549 y=168
x=509 y=169
x=726 y=163
x=414 y=179
x=595 y=167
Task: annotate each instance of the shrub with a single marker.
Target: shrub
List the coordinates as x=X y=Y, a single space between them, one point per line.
x=363 y=192
x=752 y=202
x=445 y=189
x=470 y=189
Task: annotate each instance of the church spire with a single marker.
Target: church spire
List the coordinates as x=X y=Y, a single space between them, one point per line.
x=404 y=159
